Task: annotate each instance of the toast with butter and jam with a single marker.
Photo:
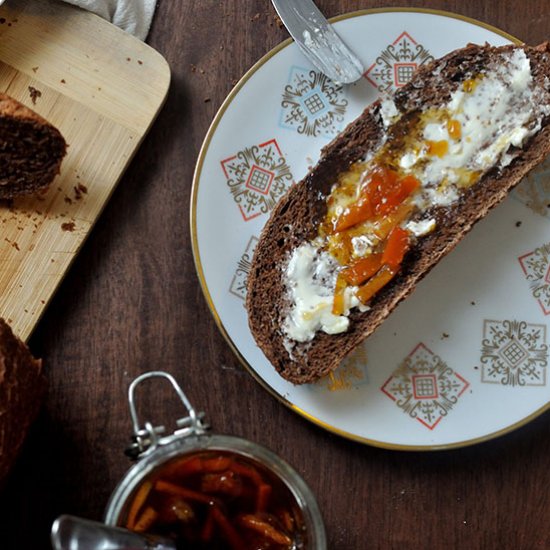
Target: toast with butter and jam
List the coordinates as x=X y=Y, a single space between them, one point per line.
x=390 y=196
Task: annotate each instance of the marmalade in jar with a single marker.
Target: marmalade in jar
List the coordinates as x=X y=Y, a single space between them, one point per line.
x=217 y=500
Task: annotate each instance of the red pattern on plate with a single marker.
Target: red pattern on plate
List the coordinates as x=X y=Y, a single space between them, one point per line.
x=397 y=63
x=536 y=267
x=257 y=178
x=425 y=387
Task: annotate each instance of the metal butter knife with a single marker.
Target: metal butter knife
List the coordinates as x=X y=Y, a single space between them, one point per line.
x=318 y=41
x=73 y=533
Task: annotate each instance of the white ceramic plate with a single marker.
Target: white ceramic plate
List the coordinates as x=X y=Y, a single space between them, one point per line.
x=465 y=358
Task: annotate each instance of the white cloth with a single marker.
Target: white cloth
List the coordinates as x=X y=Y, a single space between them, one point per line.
x=133 y=16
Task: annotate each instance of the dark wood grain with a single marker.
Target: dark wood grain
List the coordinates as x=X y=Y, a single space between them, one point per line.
x=132 y=302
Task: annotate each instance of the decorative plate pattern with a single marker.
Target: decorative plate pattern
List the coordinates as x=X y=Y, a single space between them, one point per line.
x=481 y=315
x=238 y=282
x=536 y=266
x=514 y=353
x=425 y=387
x=351 y=373
x=312 y=104
x=534 y=191
x=397 y=63
x=257 y=177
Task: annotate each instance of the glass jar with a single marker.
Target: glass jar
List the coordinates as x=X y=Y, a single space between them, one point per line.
x=156 y=453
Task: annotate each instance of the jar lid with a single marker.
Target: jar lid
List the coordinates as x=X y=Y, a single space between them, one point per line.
x=147 y=437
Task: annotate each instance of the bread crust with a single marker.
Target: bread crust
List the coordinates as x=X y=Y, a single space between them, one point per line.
x=31 y=150
x=22 y=387
x=296 y=217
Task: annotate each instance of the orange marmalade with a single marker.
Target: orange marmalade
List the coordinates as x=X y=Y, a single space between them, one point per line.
x=380 y=206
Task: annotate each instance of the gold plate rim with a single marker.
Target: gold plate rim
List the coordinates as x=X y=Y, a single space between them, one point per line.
x=198 y=265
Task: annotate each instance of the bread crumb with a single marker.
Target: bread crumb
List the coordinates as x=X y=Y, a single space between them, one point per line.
x=34 y=93
x=140 y=62
x=63 y=81
x=13 y=243
x=68 y=226
x=34 y=69
x=79 y=190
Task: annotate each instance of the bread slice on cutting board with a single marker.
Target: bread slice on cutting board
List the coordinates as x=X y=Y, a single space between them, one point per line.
x=31 y=150
x=506 y=88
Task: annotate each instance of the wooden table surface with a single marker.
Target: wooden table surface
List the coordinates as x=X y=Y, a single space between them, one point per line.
x=132 y=302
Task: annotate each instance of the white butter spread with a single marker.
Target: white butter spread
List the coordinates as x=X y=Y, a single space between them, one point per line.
x=497 y=114
x=388 y=112
x=362 y=245
x=311 y=277
x=420 y=228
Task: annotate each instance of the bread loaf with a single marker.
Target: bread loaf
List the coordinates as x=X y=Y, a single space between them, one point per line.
x=22 y=387
x=31 y=150
x=511 y=81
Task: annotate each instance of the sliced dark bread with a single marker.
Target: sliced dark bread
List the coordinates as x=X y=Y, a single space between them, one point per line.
x=31 y=150
x=22 y=386
x=297 y=216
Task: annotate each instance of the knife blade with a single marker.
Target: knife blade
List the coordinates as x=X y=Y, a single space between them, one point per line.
x=318 y=40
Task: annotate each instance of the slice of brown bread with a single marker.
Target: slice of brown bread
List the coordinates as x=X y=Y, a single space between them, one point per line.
x=22 y=386
x=297 y=216
x=31 y=150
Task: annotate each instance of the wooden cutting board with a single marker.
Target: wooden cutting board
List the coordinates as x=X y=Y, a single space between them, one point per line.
x=102 y=88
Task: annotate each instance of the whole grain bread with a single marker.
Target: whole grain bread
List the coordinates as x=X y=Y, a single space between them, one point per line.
x=22 y=386
x=296 y=217
x=31 y=150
